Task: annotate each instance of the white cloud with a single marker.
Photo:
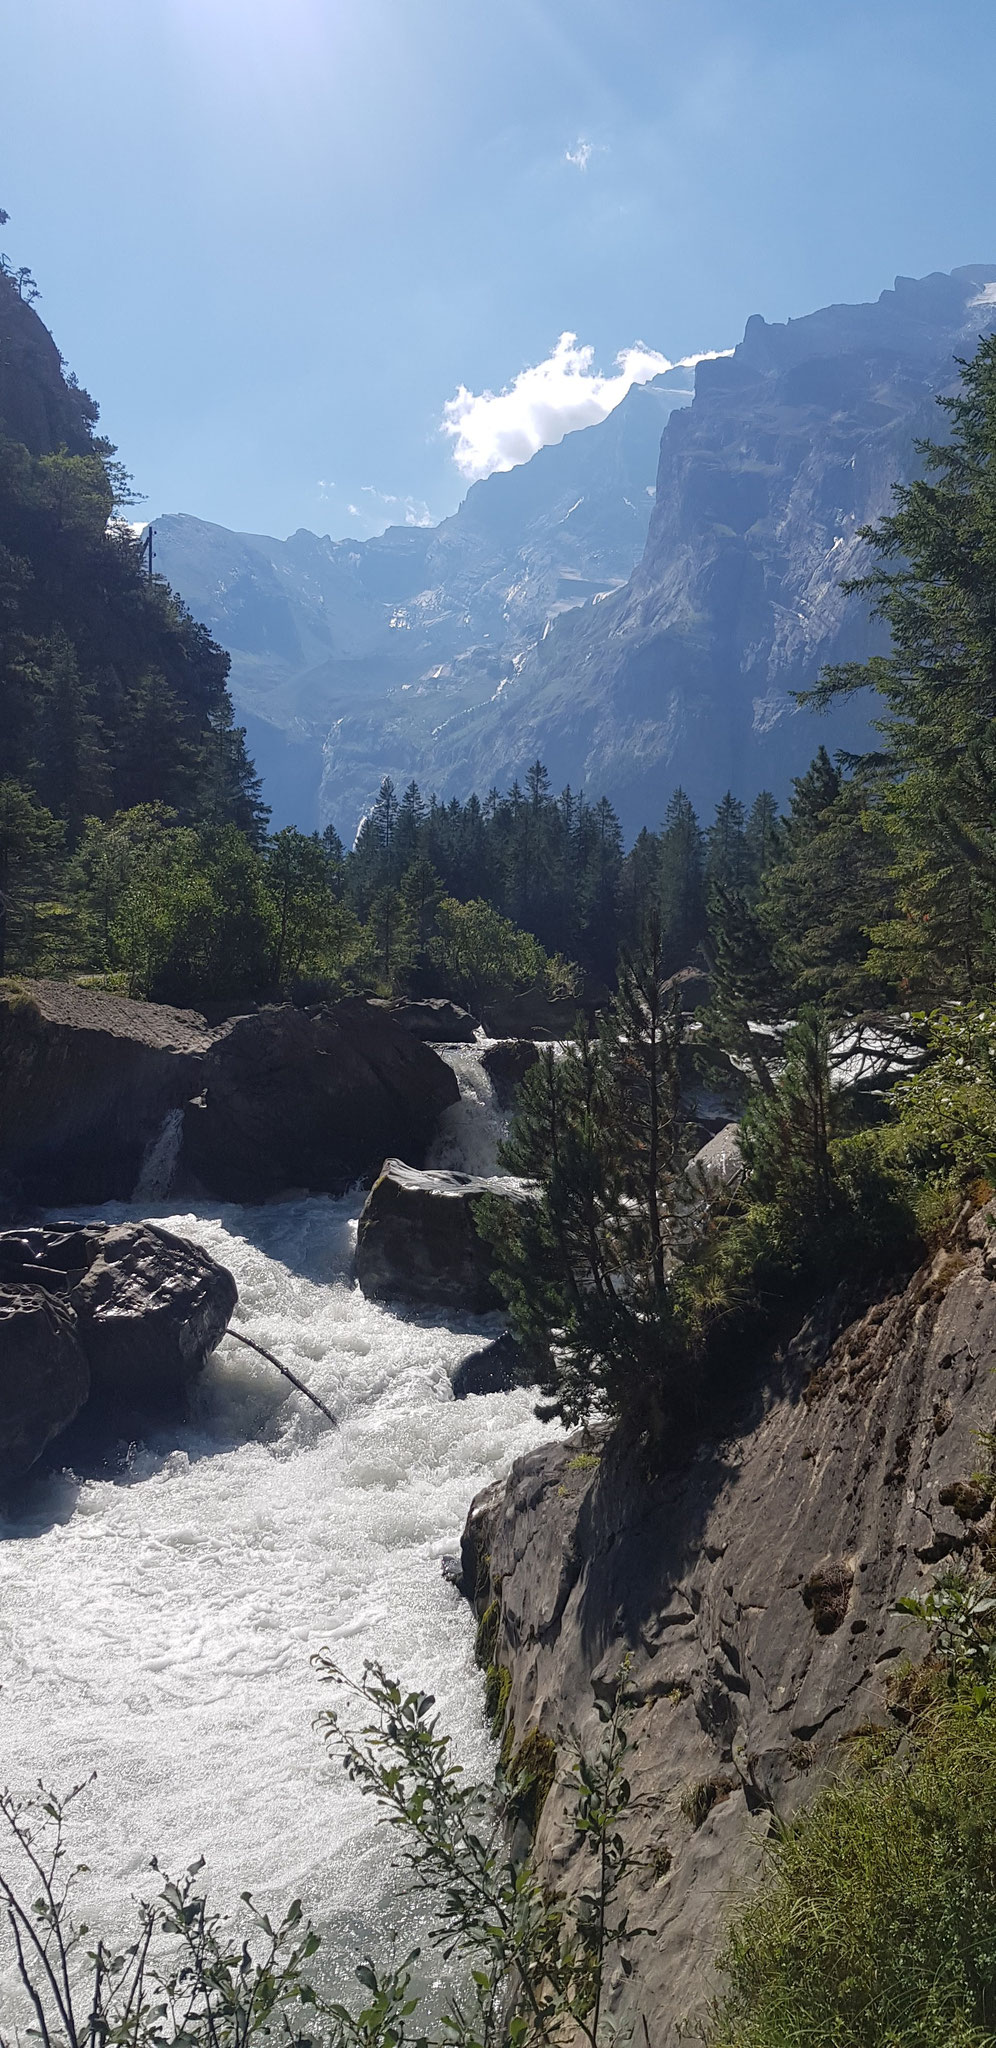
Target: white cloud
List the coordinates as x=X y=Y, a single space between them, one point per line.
x=497 y=430
x=580 y=156
x=406 y=511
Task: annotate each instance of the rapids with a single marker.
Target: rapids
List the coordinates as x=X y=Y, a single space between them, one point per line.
x=157 y=1625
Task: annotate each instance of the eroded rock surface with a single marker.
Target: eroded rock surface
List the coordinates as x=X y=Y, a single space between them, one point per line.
x=86 y=1080
x=417 y=1240
x=312 y=1099
x=752 y=1587
x=151 y=1309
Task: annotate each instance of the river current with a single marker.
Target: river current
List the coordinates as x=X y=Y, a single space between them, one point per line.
x=157 y=1626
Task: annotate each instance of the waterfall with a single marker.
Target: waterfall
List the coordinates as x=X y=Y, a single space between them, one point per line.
x=471 y=1131
x=157 y=1624
x=158 y=1168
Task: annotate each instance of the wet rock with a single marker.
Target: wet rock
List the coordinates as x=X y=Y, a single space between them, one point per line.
x=312 y=1099
x=151 y=1307
x=417 y=1239
x=495 y=1369
x=86 y=1080
x=44 y=1375
x=506 y=1064
x=718 y=1168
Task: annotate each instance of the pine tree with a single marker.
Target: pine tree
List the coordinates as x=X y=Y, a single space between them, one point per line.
x=749 y=986
x=763 y=836
x=681 y=898
x=935 y=587
x=727 y=860
x=786 y=1133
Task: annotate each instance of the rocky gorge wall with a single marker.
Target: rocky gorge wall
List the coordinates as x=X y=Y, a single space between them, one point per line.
x=751 y=1586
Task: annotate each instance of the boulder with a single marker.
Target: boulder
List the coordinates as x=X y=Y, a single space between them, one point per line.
x=506 y=1064
x=436 y=1020
x=718 y=1168
x=495 y=1369
x=532 y=1015
x=147 y=1308
x=313 y=1099
x=151 y=1308
x=86 y=1081
x=44 y=1376
x=417 y=1240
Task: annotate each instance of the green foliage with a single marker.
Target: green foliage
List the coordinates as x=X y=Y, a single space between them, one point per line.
x=29 y=839
x=113 y=696
x=527 y=1968
x=786 y=1132
x=585 y=1266
x=934 y=588
x=481 y=955
x=877 y=1920
x=947 y=1113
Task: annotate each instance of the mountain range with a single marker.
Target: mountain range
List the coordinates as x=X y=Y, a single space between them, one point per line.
x=634 y=606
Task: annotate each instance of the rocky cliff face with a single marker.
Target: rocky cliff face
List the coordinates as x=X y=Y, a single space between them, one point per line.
x=515 y=629
x=790 y=446
x=751 y=1587
x=37 y=405
x=367 y=647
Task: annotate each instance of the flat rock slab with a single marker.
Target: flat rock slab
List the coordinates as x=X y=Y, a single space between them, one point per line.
x=751 y=1585
x=436 y=1020
x=417 y=1240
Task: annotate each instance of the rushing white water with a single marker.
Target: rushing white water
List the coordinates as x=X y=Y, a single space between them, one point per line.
x=472 y=1130
x=158 y=1169
x=157 y=1626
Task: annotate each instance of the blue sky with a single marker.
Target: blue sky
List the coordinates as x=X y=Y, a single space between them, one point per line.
x=275 y=237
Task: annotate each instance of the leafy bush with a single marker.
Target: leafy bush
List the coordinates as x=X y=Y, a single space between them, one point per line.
x=528 y=1968
x=876 y=1927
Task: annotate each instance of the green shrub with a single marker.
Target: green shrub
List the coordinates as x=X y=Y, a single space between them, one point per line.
x=877 y=1925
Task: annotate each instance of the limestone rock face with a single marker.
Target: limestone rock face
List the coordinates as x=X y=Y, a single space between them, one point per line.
x=752 y=1586
x=44 y=1376
x=314 y=1099
x=86 y=1081
x=417 y=1241
x=151 y=1309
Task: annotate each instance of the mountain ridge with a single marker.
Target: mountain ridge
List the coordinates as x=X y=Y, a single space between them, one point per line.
x=628 y=661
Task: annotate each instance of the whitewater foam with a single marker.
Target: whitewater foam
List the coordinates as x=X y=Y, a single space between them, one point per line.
x=158 y=1626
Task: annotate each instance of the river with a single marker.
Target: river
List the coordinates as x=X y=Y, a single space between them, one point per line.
x=157 y=1626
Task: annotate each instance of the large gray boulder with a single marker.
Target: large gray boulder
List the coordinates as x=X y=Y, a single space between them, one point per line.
x=417 y=1240
x=44 y=1375
x=145 y=1309
x=151 y=1309
x=312 y=1099
x=86 y=1082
